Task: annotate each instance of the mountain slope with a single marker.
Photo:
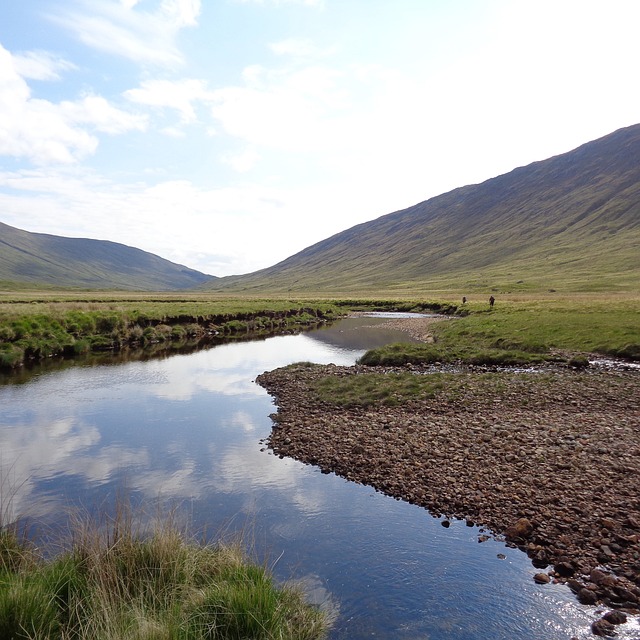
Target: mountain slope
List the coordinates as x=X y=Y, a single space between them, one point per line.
x=572 y=220
x=37 y=258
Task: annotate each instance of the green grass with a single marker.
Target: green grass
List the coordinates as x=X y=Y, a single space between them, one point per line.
x=602 y=324
x=118 y=584
x=371 y=390
x=527 y=330
x=376 y=389
x=34 y=327
x=520 y=329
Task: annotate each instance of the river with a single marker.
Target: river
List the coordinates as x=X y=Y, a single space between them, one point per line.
x=188 y=431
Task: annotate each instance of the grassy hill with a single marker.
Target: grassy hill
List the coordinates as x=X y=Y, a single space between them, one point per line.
x=37 y=259
x=569 y=222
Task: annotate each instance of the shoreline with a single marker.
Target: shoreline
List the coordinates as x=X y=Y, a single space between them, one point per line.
x=546 y=460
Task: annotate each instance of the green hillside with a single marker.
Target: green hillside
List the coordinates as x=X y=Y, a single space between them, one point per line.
x=28 y=259
x=569 y=222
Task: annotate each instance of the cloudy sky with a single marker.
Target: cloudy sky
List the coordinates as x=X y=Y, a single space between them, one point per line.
x=228 y=135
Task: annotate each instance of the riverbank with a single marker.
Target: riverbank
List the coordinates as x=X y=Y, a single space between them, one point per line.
x=547 y=459
x=32 y=332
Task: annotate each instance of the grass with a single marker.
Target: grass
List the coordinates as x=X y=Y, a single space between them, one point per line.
x=376 y=389
x=603 y=324
x=520 y=329
x=362 y=390
x=527 y=330
x=35 y=327
x=116 y=583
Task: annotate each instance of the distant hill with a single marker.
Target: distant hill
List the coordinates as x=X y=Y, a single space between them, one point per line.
x=53 y=261
x=572 y=221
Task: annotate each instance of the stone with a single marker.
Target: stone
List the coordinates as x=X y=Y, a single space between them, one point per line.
x=603 y=628
x=522 y=529
x=597 y=576
x=615 y=617
x=586 y=596
x=557 y=517
x=564 y=569
x=541 y=578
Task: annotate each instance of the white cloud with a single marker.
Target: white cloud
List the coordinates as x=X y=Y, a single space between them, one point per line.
x=35 y=129
x=291 y=110
x=179 y=95
x=182 y=13
x=41 y=65
x=120 y=29
x=97 y=112
x=45 y=132
x=307 y=3
x=243 y=161
x=300 y=48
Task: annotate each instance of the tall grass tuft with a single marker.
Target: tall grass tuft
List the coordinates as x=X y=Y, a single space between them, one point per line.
x=118 y=582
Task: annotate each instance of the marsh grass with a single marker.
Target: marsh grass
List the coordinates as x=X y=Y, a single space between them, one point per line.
x=32 y=328
x=118 y=581
x=402 y=354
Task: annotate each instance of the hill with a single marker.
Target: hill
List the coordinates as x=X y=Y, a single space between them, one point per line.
x=571 y=222
x=28 y=259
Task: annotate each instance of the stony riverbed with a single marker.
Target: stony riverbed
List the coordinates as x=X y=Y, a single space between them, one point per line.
x=547 y=459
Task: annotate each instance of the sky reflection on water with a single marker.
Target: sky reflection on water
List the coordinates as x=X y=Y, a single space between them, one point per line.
x=187 y=429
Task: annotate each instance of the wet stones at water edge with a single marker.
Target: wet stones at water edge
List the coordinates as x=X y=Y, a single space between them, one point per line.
x=548 y=461
x=606 y=626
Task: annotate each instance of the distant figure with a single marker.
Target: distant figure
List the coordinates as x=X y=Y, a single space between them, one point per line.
x=464 y=299
x=491 y=301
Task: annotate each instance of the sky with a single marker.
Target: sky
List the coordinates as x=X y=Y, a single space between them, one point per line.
x=227 y=135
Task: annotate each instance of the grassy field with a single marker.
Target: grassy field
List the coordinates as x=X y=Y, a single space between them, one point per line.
x=519 y=328
x=608 y=324
x=527 y=329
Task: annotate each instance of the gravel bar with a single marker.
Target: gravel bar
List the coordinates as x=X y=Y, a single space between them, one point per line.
x=547 y=460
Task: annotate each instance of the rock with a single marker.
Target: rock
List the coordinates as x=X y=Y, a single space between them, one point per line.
x=564 y=569
x=615 y=617
x=597 y=576
x=521 y=529
x=541 y=578
x=586 y=596
x=603 y=628
x=625 y=594
x=540 y=560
